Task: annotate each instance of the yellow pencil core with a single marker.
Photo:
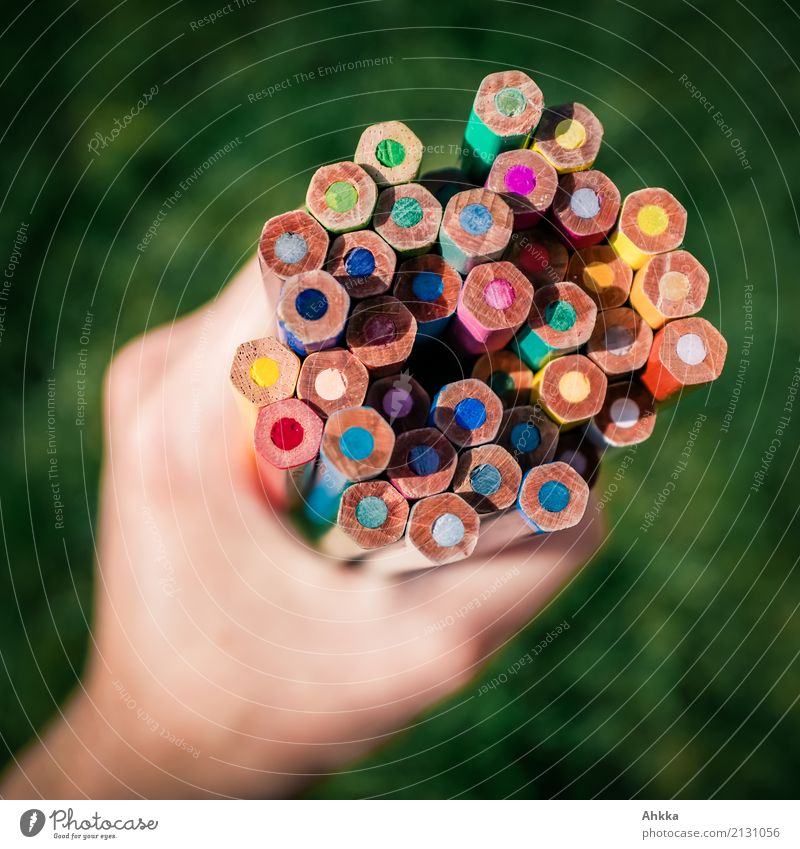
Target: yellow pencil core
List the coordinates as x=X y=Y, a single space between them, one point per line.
x=574 y=386
x=597 y=276
x=652 y=220
x=674 y=286
x=265 y=372
x=570 y=134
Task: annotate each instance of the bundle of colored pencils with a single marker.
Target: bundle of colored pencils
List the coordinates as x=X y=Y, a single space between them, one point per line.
x=467 y=344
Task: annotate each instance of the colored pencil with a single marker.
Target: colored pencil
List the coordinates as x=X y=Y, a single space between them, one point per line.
x=506 y=375
x=487 y=478
x=494 y=303
x=669 y=286
x=264 y=371
x=292 y=243
x=357 y=445
x=390 y=153
x=602 y=274
x=506 y=110
x=651 y=222
x=539 y=255
x=408 y=218
x=620 y=342
x=342 y=197
x=287 y=434
x=569 y=137
x=467 y=412
x=570 y=389
x=312 y=311
x=443 y=528
x=476 y=227
x=527 y=182
x=561 y=319
x=543 y=320
x=577 y=450
x=627 y=417
x=529 y=435
x=552 y=497
x=381 y=333
x=429 y=286
x=401 y=400
x=422 y=464
x=585 y=207
x=373 y=514
x=332 y=380
x=362 y=262
x=686 y=352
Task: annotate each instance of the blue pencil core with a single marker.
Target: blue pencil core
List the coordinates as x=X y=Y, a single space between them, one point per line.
x=485 y=479
x=525 y=437
x=427 y=286
x=311 y=304
x=423 y=460
x=359 y=262
x=475 y=219
x=470 y=413
x=371 y=512
x=553 y=496
x=356 y=443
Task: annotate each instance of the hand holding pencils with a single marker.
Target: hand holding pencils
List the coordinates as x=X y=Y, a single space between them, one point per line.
x=467 y=346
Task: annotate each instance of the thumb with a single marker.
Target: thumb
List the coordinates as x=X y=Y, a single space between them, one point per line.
x=502 y=589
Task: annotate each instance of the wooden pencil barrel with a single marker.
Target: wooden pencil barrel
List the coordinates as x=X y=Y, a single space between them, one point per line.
x=552 y=497
x=493 y=304
x=476 y=227
x=443 y=528
x=487 y=478
x=390 y=153
x=264 y=371
x=423 y=463
x=602 y=274
x=527 y=182
x=362 y=262
x=569 y=137
x=467 y=412
x=373 y=514
x=506 y=109
x=651 y=222
x=620 y=342
x=292 y=243
x=686 y=352
x=332 y=380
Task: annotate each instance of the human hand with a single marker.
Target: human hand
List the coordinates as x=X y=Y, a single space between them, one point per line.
x=228 y=658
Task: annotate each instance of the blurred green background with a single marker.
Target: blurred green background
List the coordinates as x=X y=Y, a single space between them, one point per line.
x=679 y=673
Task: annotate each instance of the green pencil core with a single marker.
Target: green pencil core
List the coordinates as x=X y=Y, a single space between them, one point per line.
x=510 y=102
x=341 y=196
x=390 y=153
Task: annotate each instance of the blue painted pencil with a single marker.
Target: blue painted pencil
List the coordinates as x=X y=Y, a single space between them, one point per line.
x=467 y=412
x=357 y=445
x=552 y=497
x=476 y=227
x=312 y=311
x=429 y=287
